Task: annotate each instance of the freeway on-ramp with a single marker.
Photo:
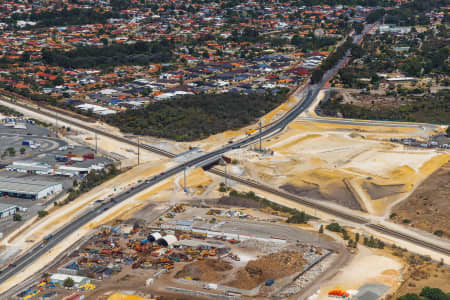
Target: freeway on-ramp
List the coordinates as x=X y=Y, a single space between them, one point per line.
x=310 y=93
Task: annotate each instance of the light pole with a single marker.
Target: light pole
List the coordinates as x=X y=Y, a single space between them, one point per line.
x=260 y=138
x=138 y=151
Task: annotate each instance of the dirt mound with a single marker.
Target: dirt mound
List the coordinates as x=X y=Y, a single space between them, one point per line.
x=377 y=191
x=272 y=266
x=209 y=270
x=336 y=192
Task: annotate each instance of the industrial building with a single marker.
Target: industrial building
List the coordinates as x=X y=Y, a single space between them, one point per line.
x=26 y=188
x=8 y=210
x=59 y=278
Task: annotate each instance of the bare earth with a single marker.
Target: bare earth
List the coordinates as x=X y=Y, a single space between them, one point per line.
x=428 y=207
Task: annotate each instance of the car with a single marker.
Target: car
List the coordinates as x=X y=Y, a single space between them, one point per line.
x=148 y=181
x=29 y=133
x=11 y=265
x=162 y=173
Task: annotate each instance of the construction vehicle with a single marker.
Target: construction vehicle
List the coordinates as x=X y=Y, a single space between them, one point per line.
x=250 y=131
x=234 y=257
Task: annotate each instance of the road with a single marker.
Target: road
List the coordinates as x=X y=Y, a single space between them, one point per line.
x=311 y=91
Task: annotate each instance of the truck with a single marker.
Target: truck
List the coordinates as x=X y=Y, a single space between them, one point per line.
x=269 y=282
x=61 y=158
x=47 y=238
x=211 y=286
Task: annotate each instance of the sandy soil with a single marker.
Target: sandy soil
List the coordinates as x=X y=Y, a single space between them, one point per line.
x=353 y=166
x=365 y=267
x=428 y=208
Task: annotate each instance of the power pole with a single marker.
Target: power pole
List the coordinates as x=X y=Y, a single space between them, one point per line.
x=185 y=189
x=260 y=138
x=226 y=178
x=56 y=123
x=138 y=152
x=96 y=146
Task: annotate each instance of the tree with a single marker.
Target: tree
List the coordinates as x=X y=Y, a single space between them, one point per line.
x=433 y=294
x=17 y=217
x=58 y=81
x=409 y=296
x=22 y=150
x=11 y=151
x=335 y=227
x=350 y=243
x=357 y=237
x=68 y=282
x=358 y=27
x=448 y=131
x=321 y=229
x=42 y=213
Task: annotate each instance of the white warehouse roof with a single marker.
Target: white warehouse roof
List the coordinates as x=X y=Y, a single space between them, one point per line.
x=24 y=186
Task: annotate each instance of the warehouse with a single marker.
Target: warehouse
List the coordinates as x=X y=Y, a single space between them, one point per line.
x=59 y=278
x=8 y=210
x=29 y=189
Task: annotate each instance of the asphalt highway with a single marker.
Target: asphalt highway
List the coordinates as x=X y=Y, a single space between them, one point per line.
x=310 y=92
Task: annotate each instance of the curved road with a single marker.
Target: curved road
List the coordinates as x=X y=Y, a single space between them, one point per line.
x=311 y=92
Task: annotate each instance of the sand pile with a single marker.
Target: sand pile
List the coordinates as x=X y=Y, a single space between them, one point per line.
x=272 y=266
x=209 y=270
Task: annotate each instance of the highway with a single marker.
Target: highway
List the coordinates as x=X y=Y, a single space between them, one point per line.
x=310 y=92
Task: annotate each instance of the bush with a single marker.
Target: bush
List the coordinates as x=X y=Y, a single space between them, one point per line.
x=42 y=213
x=194 y=117
x=68 y=282
x=17 y=217
x=335 y=227
x=438 y=233
x=298 y=218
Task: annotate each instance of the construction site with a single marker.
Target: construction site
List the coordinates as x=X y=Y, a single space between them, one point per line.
x=354 y=166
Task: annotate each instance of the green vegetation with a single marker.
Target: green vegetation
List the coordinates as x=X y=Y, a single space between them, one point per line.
x=430 y=108
x=297 y=217
x=42 y=213
x=321 y=229
x=311 y=42
x=335 y=227
x=4 y=110
x=140 y=53
x=17 y=217
x=196 y=117
x=76 y=16
x=68 y=282
x=373 y=242
x=22 y=150
x=412 y=12
x=11 y=151
x=93 y=179
x=331 y=60
x=427 y=293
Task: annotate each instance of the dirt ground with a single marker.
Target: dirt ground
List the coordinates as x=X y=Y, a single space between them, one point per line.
x=428 y=207
x=429 y=274
x=272 y=266
x=350 y=165
x=208 y=270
